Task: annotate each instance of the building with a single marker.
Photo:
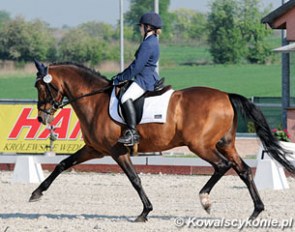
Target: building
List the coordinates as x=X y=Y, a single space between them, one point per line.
x=284 y=18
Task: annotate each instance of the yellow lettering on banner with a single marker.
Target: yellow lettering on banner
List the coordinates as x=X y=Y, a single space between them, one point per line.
x=22 y=133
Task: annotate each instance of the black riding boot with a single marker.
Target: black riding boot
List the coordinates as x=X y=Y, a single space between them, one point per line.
x=130 y=135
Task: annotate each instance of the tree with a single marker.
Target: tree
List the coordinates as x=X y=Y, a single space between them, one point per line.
x=23 y=41
x=254 y=33
x=43 y=44
x=140 y=7
x=4 y=17
x=235 y=32
x=99 y=30
x=188 y=24
x=225 y=39
x=78 y=46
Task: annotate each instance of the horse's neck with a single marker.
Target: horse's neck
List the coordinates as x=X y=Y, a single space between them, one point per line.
x=78 y=85
x=85 y=107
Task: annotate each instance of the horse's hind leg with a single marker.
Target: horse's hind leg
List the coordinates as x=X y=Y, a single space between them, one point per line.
x=82 y=155
x=220 y=164
x=245 y=173
x=220 y=168
x=127 y=166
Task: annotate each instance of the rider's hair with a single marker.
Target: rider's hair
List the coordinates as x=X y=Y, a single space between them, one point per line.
x=149 y=28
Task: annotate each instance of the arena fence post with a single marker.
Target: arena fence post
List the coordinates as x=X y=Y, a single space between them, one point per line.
x=27 y=170
x=269 y=174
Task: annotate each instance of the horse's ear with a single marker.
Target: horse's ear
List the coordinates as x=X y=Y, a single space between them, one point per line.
x=38 y=64
x=40 y=67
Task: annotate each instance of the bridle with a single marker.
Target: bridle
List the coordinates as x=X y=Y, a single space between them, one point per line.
x=56 y=104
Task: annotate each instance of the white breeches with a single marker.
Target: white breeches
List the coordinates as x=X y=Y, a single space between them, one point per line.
x=133 y=92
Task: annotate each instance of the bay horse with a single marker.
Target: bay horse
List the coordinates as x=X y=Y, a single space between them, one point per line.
x=201 y=118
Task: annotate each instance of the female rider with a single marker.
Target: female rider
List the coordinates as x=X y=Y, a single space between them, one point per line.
x=143 y=72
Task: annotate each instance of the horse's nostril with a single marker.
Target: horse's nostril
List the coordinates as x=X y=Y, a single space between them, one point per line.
x=39 y=119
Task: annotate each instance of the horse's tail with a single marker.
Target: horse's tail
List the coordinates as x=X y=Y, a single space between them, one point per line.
x=270 y=143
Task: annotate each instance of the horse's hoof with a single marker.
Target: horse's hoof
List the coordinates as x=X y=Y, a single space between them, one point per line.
x=205 y=201
x=35 y=197
x=140 y=219
x=255 y=214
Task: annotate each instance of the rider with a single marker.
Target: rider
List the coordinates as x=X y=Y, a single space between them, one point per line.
x=143 y=71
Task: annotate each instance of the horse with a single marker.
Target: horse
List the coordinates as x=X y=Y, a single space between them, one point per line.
x=202 y=118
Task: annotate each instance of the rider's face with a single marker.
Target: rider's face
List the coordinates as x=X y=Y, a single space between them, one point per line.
x=141 y=27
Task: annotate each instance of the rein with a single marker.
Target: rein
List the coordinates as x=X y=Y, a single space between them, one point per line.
x=61 y=105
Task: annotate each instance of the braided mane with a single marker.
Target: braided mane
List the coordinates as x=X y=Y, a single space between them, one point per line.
x=81 y=66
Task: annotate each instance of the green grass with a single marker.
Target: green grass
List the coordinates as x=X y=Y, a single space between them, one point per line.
x=17 y=86
x=180 y=54
x=248 y=80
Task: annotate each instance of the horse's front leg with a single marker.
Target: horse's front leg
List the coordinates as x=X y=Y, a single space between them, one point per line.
x=125 y=163
x=82 y=155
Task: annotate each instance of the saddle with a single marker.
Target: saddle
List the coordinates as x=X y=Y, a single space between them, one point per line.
x=160 y=89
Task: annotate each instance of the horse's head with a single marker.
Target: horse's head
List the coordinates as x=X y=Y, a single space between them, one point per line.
x=49 y=94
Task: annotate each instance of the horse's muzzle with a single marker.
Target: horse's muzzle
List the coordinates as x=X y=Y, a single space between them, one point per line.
x=45 y=118
x=40 y=119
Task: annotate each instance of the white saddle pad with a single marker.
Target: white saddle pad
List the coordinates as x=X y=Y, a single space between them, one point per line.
x=154 y=108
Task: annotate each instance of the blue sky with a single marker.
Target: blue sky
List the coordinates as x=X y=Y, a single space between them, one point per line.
x=74 y=12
